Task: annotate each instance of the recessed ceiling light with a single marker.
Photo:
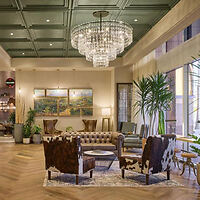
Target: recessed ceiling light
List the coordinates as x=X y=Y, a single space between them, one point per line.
x=47 y=20
x=50 y=44
x=23 y=53
x=11 y=33
x=135 y=20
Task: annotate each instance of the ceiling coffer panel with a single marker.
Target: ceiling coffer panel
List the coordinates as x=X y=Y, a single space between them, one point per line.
x=35 y=28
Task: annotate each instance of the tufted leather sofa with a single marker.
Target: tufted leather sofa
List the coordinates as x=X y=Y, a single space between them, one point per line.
x=108 y=141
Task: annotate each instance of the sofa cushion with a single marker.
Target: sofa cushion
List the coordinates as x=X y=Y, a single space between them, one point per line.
x=93 y=146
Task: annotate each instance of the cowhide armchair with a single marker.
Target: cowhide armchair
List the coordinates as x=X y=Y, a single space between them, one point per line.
x=64 y=155
x=156 y=157
x=50 y=127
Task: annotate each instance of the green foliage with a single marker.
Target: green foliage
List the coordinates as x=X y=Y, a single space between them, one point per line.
x=153 y=97
x=36 y=129
x=196 y=141
x=142 y=91
x=29 y=123
x=11 y=118
x=69 y=129
x=161 y=124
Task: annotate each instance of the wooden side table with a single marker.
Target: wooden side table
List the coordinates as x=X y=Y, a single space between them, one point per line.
x=103 y=123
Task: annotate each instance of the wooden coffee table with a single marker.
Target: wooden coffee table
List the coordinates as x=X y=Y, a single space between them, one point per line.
x=103 y=158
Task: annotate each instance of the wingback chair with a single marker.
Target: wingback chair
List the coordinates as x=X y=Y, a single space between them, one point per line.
x=49 y=127
x=63 y=155
x=156 y=157
x=135 y=140
x=127 y=127
x=90 y=125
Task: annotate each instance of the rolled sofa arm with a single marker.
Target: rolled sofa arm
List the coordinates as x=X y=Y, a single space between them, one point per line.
x=117 y=139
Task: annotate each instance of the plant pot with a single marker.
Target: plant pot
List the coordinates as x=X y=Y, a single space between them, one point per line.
x=198 y=173
x=26 y=140
x=18 y=133
x=36 y=138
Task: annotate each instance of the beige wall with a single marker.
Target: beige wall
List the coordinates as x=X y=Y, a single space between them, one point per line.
x=100 y=82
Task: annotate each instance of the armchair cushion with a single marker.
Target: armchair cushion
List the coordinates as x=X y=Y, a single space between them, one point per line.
x=134 y=163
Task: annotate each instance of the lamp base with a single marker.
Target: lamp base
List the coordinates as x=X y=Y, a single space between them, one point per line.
x=103 y=123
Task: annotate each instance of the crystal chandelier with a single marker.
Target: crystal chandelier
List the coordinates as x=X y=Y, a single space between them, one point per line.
x=101 y=41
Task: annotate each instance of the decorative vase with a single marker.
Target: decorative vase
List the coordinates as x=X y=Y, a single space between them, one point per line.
x=26 y=140
x=36 y=138
x=198 y=173
x=18 y=133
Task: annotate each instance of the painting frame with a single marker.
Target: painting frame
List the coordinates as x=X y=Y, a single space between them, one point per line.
x=57 y=92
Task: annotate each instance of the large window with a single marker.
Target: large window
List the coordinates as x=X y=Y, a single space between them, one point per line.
x=124 y=103
x=194 y=97
x=174 y=117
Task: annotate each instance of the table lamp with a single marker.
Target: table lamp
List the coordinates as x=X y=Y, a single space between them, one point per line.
x=106 y=112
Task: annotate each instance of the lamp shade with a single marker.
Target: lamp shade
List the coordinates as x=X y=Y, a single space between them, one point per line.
x=105 y=111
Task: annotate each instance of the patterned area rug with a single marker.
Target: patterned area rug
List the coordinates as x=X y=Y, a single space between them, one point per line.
x=109 y=178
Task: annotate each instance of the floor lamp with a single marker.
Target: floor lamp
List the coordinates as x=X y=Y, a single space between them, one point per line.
x=106 y=117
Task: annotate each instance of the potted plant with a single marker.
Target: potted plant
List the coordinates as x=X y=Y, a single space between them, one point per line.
x=28 y=125
x=142 y=90
x=69 y=129
x=11 y=120
x=153 y=97
x=36 y=134
x=159 y=100
x=27 y=134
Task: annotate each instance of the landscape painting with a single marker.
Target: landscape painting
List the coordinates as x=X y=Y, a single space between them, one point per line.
x=57 y=92
x=80 y=97
x=46 y=106
x=39 y=92
x=87 y=111
x=64 y=109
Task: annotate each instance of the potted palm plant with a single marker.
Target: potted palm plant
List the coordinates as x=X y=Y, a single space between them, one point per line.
x=153 y=98
x=36 y=134
x=159 y=100
x=28 y=125
x=27 y=134
x=142 y=91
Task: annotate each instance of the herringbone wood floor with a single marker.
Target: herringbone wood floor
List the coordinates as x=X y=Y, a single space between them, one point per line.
x=22 y=175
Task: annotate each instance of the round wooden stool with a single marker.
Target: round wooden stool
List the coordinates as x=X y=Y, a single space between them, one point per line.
x=175 y=159
x=188 y=162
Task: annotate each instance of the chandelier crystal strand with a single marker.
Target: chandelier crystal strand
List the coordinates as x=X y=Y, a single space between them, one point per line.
x=101 y=41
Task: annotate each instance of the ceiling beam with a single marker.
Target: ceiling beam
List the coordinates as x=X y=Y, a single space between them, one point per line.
x=20 y=8
x=176 y=20
x=52 y=26
x=148 y=7
x=14 y=40
x=11 y=27
x=69 y=22
x=49 y=40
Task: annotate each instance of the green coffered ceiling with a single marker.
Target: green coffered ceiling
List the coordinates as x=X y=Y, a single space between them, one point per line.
x=41 y=28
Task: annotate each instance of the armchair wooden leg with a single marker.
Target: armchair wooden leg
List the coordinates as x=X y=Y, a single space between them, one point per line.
x=123 y=172
x=49 y=175
x=147 y=179
x=91 y=172
x=76 y=179
x=168 y=174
